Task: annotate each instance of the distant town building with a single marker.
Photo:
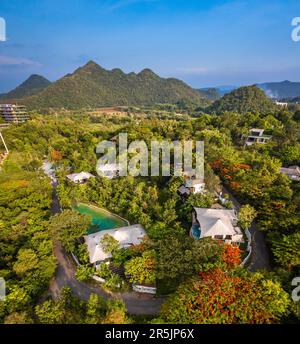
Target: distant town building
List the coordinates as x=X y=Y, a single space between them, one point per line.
x=256 y=136
x=220 y=224
x=281 y=104
x=13 y=113
x=4 y=126
x=293 y=172
x=80 y=178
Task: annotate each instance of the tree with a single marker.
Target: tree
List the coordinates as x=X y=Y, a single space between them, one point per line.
x=290 y=154
x=116 y=312
x=17 y=299
x=109 y=243
x=18 y=318
x=56 y=155
x=181 y=256
x=68 y=227
x=50 y=312
x=94 y=309
x=121 y=255
x=246 y=216
x=84 y=273
x=82 y=253
x=231 y=255
x=286 y=250
x=216 y=297
x=297 y=114
x=142 y=269
x=196 y=200
x=27 y=260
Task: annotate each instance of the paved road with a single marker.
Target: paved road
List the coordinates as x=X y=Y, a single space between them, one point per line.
x=260 y=258
x=136 y=303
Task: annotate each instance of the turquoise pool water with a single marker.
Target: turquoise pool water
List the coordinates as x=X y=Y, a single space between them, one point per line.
x=196 y=231
x=101 y=219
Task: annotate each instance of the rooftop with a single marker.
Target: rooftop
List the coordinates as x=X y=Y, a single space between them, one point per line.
x=217 y=221
x=78 y=177
x=126 y=236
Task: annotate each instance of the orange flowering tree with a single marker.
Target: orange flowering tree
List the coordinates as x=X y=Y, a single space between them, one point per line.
x=56 y=155
x=230 y=172
x=217 y=297
x=231 y=255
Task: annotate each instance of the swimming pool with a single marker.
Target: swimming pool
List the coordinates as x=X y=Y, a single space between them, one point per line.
x=196 y=231
x=101 y=218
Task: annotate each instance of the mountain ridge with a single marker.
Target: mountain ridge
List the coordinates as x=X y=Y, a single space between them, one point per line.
x=32 y=85
x=281 y=89
x=93 y=86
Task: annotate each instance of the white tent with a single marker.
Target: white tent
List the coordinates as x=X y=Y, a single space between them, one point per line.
x=218 y=223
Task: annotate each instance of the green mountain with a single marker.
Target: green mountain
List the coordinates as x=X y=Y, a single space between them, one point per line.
x=33 y=85
x=210 y=93
x=279 y=90
x=243 y=100
x=93 y=86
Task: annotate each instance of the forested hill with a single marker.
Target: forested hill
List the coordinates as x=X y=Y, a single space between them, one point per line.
x=279 y=90
x=243 y=100
x=33 y=85
x=93 y=86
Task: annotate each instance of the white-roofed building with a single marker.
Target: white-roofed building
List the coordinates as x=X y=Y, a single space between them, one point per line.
x=108 y=170
x=126 y=236
x=192 y=186
x=216 y=223
x=80 y=178
x=293 y=172
x=256 y=136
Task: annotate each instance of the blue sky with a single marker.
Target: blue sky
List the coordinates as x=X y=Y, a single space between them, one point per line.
x=204 y=43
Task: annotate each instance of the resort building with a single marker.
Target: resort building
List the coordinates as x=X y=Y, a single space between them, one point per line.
x=108 y=170
x=4 y=126
x=80 y=178
x=192 y=186
x=220 y=224
x=13 y=113
x=293 y=172
x=126 y=236
x=256 y=136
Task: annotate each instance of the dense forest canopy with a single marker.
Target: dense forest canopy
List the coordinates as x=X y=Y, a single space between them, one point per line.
x=243 y=100
x=28 y=228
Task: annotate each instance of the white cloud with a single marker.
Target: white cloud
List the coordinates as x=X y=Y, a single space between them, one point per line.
x=17 y=61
